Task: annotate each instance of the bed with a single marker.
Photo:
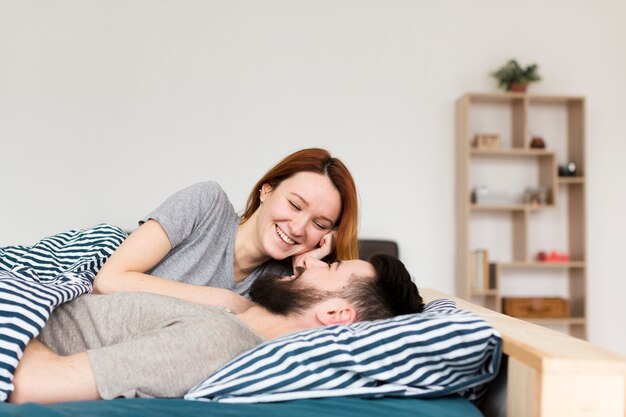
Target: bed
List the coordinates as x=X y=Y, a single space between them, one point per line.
x=545 y=373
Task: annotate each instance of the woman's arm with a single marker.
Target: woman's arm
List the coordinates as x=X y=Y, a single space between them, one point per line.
x=142 y=250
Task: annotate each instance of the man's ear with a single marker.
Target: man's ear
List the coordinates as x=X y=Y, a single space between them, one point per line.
x=264 y=191
x=339 y=313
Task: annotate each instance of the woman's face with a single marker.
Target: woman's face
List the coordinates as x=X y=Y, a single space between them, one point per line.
x=293 y=217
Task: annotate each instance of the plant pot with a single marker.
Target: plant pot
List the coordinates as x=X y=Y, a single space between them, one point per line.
x=518 y=87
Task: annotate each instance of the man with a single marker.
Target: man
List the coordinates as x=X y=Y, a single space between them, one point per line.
x=147 y=345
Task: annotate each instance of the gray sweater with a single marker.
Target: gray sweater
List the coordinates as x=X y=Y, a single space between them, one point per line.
x=147 y=345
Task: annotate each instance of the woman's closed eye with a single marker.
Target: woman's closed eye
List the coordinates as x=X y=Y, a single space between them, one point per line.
x=294 y=205
x=321 y=226
x=317 y=224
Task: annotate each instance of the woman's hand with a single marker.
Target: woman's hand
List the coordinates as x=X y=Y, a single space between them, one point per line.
x=235 y=302
x=324 y=248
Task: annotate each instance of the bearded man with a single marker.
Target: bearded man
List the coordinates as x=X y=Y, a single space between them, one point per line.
x=148 y=345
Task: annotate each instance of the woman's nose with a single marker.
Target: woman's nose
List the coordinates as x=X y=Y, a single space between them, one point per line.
x=297 y=226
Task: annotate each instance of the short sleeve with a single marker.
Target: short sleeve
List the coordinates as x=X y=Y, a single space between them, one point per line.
x=182 y=212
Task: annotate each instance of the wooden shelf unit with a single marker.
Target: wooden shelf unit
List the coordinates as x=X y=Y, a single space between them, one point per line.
x=518 y=107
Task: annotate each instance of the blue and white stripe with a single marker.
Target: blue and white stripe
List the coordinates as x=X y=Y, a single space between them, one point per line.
x=36 y=279
x=441 y=351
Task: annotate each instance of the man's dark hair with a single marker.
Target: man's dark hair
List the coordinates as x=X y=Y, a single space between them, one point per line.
x=390 y=293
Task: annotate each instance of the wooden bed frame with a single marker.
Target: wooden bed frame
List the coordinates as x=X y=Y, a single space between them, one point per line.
x=549 y=373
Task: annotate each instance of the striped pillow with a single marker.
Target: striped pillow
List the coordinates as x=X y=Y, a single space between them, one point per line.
x=438 y=352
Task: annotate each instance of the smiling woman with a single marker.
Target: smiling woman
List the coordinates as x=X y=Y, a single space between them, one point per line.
x=196 y=248
x=294 y=216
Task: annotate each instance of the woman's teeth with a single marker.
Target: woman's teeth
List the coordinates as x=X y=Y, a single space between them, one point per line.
x=284 y=237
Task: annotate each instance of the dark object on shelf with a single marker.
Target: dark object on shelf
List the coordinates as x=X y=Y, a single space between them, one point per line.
x=537 y=142
x=567 y=170
x=536 y=307
x=552 y=256
x=515 y=78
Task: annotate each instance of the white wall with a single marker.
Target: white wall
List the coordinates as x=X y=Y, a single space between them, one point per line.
x=107 y=107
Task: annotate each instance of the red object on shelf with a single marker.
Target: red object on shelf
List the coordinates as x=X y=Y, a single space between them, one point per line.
x=553 y=256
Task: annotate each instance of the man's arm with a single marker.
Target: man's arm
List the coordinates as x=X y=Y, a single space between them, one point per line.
x=45 y=377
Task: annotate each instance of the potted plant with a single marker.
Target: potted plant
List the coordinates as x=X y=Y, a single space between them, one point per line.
x=513 y=77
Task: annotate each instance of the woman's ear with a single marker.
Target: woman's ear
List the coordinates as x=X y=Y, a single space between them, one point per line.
x=264 y=191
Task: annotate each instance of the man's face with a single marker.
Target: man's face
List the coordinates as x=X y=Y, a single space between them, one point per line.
x=315 y=282
x=332 y=277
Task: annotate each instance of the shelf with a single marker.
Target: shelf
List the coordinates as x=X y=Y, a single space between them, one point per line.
x=497 y=207
x=511 y=152
x=509 y=207
x=545 y=265
x=495 y=97
x=532 y=98
x=551 y=99
x=570 y=180
x=478 y=292
x=503 y=224
x=566 y=320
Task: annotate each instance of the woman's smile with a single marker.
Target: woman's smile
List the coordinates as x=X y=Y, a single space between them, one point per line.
x=283 y=236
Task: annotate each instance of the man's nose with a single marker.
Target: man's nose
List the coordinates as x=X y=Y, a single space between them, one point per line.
x=311 y=262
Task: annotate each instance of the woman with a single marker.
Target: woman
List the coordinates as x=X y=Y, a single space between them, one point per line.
x=195 y=247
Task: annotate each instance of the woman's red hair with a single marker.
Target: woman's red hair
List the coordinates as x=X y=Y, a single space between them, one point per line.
x=319 y=161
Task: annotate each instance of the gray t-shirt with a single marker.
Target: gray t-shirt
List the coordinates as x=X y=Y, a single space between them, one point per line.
x=201 y=225
x=147 y=345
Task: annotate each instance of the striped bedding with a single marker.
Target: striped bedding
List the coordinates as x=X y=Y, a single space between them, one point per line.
x=36 y=279
x=438 y=352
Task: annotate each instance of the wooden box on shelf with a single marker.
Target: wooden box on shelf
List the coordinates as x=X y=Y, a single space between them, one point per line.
x=537 y=307
x=487 y=141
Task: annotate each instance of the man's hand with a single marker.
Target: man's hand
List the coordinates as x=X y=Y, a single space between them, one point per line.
x=325 y=247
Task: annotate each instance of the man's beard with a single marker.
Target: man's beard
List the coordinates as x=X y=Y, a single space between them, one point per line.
x=283 y=296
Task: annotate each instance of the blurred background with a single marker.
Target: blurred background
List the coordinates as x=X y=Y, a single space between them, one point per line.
x=108 y=107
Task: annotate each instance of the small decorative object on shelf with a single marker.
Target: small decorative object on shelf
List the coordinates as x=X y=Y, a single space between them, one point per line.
x=512 y=77
x=538 y=307
x=487 y=141
x=537 y=142
x=482 y=195
x=478 y=193
x=536 y=196
x=567 y=170
x=552 y=256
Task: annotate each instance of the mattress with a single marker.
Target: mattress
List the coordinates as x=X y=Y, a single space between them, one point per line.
x=453 y=406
